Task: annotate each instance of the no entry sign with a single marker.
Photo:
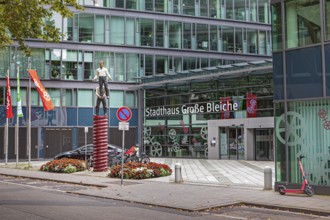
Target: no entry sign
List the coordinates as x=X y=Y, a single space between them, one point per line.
x=124 y=113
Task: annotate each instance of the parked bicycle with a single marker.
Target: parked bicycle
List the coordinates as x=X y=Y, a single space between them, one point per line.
x=130 y=155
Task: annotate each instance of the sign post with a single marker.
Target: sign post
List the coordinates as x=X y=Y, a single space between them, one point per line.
x=86 y=131
x=124 y=114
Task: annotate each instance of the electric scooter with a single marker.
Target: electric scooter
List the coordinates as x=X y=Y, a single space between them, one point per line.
x=305 y=187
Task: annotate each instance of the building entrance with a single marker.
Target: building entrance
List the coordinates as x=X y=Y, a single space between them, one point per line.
x=232 y=143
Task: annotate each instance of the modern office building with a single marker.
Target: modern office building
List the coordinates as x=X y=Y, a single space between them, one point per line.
x=141 y=42
x=301 y=55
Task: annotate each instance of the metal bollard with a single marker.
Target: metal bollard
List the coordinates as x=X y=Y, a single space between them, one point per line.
x=268 y=173
x=178 y=174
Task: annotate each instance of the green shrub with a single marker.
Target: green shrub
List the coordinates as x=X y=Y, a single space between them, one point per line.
x=64 y=165
x=134 y=170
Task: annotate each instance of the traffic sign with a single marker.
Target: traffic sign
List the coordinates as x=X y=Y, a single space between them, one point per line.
x=124 y=113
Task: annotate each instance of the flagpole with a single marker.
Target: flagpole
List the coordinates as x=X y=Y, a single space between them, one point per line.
x=6 y=142
x=29 y=123
x=17 y=119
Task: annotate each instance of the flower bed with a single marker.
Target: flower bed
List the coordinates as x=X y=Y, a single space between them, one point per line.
x=64 y=165
x=134 y=170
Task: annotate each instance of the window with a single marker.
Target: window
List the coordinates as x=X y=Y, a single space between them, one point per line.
x=85 y=97
x=202 y=37
x=302 y=22
x=240 y=12
x=227 y=34
x=252 y=41
x=130 y=99
x=161 y=5
x=277 y=27
x=88 y=65
x=147 y=32
x=130 y=31
x=149 y=65
x=186 y=35
x=159 y=33
x=149 y=5
x=263 y=11
x=175 y=34
x=86 y=26
x=188 y=7
x=99 y=29
x=67 y=97
x=132 y=67
x=116 y=98
x=229 y=9
x=55 y=63
x=70 y=64
x=55 y=95
x=327 y=19
x=117 y=27
x=119 y=67
x=215 y=9
x=161 y=64
x=132 y=4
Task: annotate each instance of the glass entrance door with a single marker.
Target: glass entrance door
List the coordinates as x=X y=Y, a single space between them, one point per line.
x=264 y=144
x=232 y=143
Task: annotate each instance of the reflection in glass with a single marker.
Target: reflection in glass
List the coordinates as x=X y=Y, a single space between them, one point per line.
x=86 y=26
x=147 y=32
x=277 y=27
x=175 y=34
x=202 y=37
x=117 y=25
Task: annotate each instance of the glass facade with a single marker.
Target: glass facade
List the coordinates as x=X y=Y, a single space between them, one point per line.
x=176 y=116
x=301 y=90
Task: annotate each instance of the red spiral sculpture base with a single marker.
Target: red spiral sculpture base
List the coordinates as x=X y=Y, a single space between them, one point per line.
x=100 y=142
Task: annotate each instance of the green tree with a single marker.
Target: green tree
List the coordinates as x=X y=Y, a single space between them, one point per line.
x=22 y=19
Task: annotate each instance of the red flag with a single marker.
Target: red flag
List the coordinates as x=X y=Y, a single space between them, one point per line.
x=9 y=109
x=225 y=113
x=45 y=98
x=251 y=105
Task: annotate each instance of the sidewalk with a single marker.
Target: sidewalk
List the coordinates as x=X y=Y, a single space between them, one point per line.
x=193 y=197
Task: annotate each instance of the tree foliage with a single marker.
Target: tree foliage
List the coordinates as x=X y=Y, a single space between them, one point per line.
x=22 y=19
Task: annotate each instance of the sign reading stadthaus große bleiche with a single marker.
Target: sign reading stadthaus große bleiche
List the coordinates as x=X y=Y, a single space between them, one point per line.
x=192 y=109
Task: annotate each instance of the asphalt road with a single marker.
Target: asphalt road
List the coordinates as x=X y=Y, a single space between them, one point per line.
x=26 y=199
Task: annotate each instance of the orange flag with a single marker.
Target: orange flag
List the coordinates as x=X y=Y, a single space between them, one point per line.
x=45 y=98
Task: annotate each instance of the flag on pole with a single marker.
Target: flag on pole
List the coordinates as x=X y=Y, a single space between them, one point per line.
x=19 y=102
x=45 y=98
x=9 y=107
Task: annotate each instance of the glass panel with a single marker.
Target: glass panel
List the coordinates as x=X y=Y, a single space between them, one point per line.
x=252 y=41
x=120 y=3
x=175 y=34
x=227 y=39
x=70 y=64
x=262 y=42
x=327 y=69
x=132 y=4
x=161 y=64
x=238 y=40
x=116 y=98
x=277 y=27
x=149 y=5
x=188 y=7
x=189 y=63
x=56 y=63
x=161 y=5
x=229 y=9
x=99 y=29
x=264 y=144
x=119 y=67
x=86 y=26
x=130 y=31
x=130 y=99
x=215 y=9
x=307 y=136
x=213 y=38
x=88 y=65
x=278 y=76
x=132 y=67
x=224 y=151
x=159 y=33
x=55 y=95
x=202 y=37
x=263 y=11
x=302 y=22
x=233 y=146
x=187 y=35
x=147 y=32
x=85 y=97
x=327 y=19
x=117 y=27
x=68 y=29
x=67 y=97
x=253 y=10
x=240 y=10
x=304 y=73
x=203 y=7
x=176 y=7
x=148 y=65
